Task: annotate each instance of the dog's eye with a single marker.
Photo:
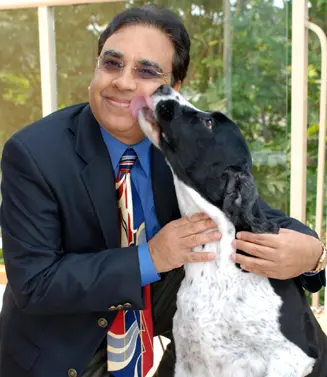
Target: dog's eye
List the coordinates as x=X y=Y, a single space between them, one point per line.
x=208 y=123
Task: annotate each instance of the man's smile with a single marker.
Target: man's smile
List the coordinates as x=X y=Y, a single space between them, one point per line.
x=117 y=102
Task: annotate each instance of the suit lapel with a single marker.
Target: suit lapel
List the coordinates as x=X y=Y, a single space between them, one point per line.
x=163 y=189
x=98 y=178
x=98 y=175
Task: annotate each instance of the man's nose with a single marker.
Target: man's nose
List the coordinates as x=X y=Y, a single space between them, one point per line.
x=164 y=90
x=125 y=80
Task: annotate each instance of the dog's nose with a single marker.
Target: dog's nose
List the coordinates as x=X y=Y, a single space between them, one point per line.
x=164 y=89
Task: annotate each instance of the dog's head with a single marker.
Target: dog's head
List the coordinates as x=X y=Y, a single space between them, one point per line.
x=206 y=151
x=199 y=146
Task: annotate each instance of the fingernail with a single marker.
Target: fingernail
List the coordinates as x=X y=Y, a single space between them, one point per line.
x=211 y=256
x=234 y=243
x=238 y=235
x=233 y=257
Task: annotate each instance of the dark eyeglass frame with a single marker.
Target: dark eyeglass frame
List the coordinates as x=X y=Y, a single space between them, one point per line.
x=120 y=67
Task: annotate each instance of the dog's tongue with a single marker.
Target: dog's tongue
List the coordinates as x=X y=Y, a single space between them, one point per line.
x=139 y=103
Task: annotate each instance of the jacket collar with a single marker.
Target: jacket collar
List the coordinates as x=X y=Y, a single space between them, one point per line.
x=98 y=177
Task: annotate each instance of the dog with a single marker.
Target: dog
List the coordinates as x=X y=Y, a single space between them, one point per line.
x=228 y=323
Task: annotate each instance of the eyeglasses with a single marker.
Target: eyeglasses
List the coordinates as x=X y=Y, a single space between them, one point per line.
x=114 y=66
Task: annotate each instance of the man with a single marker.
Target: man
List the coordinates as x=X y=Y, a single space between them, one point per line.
x=69 y=276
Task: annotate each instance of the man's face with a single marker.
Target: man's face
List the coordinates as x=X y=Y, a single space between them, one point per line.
x=141 y=51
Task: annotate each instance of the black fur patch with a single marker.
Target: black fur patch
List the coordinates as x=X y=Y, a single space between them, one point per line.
x=215 y=161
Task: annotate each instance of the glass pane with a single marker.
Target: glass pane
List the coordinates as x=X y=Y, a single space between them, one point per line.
x=317 y=15
x=77 y=31
x=20 y=98
x=259 y=91
x=240 y=66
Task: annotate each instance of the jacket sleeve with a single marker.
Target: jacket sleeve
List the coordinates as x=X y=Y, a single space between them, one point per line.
x=312 y=283
x=44 y=278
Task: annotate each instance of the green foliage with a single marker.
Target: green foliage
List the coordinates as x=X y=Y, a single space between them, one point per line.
x=321 y=296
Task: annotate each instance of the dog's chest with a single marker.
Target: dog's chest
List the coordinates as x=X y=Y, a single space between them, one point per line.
x=221 y=309
x=227 y=321
x=216 y=294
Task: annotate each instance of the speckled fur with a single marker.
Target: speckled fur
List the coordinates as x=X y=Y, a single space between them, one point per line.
x=226 y=324
x=227 y=321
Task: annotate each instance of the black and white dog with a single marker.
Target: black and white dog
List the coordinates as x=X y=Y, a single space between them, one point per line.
x=228 y=323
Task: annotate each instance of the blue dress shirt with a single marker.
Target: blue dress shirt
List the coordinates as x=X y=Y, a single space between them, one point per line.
x=141 y=176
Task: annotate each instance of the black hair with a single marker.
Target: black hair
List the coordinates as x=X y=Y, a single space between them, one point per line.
x=164 y=20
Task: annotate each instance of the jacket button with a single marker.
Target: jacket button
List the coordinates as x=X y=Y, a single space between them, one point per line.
x=112 y=308
x=120 y=307
x=72 y=372
x=102 y=322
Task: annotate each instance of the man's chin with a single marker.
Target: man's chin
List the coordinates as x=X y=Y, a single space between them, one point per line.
x=125 y=129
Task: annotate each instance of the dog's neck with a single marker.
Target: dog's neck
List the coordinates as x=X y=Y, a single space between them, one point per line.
x=191 y=202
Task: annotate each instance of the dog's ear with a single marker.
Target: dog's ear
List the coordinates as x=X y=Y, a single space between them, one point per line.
x=258 y=222
x=241 y=204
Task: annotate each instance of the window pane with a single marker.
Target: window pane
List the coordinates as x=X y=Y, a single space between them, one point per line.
x=77 y=31
x=20 y=98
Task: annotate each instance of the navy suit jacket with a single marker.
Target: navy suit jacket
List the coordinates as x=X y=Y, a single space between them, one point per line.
x=67 y=275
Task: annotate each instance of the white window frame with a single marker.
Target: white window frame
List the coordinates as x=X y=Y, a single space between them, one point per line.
x=300 y=27
x=14 y=4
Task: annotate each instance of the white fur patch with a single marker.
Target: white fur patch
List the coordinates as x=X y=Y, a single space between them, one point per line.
x=227 y=321
x=175 y=96
x=148 y=129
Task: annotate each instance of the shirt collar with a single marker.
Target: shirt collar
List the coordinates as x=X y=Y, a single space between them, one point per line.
x=116 y=149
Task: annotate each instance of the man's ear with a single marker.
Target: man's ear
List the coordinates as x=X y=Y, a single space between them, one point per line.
x=177 y=86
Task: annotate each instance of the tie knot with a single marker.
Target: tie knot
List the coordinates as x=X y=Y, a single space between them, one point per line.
x=127 y=160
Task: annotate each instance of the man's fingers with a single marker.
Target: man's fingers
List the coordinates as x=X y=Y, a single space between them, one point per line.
x=201 y=239
x=267 y=274
x=198 y=217
x=289 y=231
x=197 y=223
x=197 y=228
x=265 y=239
x=260 y=266
x=192 y=219
x=255 y=250
x=272 y=274
x=200 y=257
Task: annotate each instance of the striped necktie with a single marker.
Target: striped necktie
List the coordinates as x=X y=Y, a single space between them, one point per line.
x=130 y=338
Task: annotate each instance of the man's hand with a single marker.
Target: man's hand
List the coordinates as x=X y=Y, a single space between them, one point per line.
x=279 y=256
x=172 y=246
